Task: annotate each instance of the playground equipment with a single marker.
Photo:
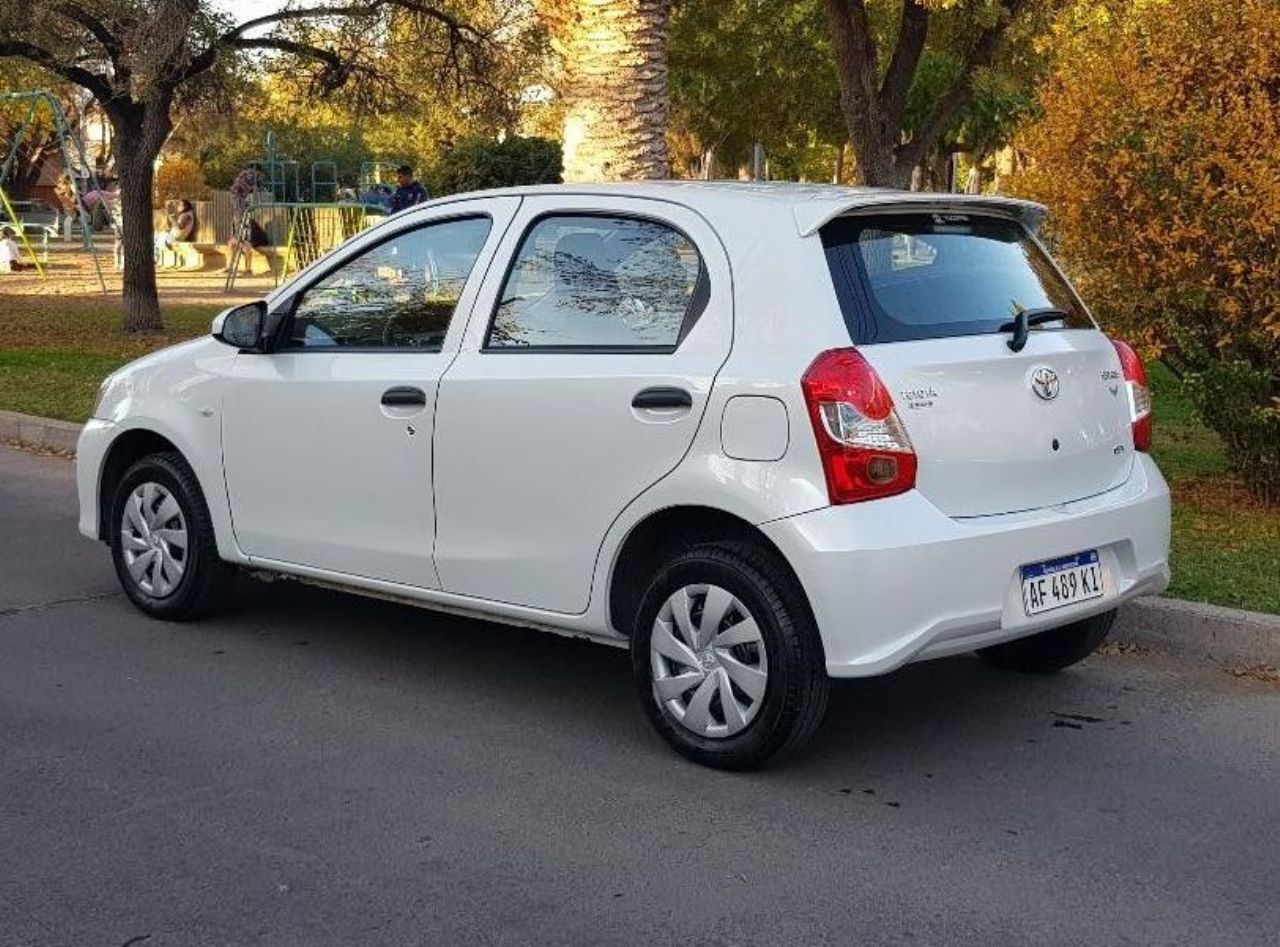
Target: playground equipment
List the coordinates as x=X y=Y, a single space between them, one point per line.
x=309 y=231
x=324 y=181
x=280 y=175
x=74 y=160
x=303 y=231
x=281 y=179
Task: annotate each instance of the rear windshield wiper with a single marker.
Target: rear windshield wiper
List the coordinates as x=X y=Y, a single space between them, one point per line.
x=1025 y=319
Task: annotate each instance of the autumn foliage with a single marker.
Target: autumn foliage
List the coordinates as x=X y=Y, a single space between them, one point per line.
x=179 y=178
x=1158 y=152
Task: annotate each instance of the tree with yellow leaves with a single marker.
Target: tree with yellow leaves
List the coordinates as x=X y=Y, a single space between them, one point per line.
x=1158 y=151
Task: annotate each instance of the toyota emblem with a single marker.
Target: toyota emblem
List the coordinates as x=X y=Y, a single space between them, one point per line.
x=1044 y=382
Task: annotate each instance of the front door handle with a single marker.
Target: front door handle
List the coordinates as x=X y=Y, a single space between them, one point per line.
x=404 y=396
x=662 y=397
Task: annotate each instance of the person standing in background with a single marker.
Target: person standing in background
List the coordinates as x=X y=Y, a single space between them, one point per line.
x=242 y=190
x=408 y=191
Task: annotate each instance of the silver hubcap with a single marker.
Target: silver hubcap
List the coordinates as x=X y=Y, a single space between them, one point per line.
x=153 y=538
x=708 y=661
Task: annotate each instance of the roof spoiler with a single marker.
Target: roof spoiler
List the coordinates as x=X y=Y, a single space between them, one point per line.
x=814 y=215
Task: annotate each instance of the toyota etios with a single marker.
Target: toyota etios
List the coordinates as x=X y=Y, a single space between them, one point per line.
x=761 y=435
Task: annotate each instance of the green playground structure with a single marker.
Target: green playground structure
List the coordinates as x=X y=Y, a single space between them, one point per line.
x=324 y=182
x=304 y=230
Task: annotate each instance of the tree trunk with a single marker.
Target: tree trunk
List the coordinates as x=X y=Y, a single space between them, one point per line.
x=139 y=134
x=615 y=86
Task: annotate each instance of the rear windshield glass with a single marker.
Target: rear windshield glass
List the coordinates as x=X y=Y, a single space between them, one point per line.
x=930 y=276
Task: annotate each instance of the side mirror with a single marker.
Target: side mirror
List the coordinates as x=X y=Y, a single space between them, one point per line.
x=241 y=326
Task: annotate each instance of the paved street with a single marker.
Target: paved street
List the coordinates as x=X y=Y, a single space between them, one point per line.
x=316 y=769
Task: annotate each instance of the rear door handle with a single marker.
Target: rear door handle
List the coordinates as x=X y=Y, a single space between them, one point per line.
x=662 y=397
x=404 y=396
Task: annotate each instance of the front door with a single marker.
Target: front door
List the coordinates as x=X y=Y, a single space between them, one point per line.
x=327 y=438
x=582 y=381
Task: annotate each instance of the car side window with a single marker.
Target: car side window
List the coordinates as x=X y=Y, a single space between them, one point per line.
x=401 y=293
x=599 y=282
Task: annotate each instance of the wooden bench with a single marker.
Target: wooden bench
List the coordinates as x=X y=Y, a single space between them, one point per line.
x=182 y=256
x=261 y=262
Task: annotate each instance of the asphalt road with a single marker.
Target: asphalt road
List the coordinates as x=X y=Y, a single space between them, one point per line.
x=315 y=769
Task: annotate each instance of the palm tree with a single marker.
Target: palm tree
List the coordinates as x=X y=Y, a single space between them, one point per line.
x=614 y=86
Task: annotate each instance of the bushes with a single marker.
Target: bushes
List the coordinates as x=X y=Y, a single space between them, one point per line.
x=1158 y=151
x=480 y=163
x=1235 y=399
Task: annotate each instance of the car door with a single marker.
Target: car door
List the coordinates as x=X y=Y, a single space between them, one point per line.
x=583 y=379
x=327 y=437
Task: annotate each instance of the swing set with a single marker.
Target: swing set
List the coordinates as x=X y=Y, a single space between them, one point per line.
x=73 y=158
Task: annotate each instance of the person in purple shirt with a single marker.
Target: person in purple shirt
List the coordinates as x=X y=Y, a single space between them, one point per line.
x=408 y=191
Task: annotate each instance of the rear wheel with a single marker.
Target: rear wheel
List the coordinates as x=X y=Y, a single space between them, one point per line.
x=163 y=547
x=727 y=660
x=1054 y=649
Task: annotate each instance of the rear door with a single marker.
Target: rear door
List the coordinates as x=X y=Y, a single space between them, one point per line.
x=929 y=299
x=582 y=381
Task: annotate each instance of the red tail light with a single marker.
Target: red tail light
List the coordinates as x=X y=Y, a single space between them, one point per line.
x=1135 y=382
x=863 y=444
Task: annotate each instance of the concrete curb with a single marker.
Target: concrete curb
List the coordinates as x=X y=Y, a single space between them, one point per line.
x=40 y=433
x=1226 y=636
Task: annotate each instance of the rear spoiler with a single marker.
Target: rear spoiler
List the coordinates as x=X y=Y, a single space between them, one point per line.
x=811 y=216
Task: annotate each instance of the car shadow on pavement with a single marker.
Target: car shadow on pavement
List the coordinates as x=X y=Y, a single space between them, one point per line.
x=939 y=709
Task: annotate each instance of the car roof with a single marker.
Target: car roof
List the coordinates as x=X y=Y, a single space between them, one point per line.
x=811 y=205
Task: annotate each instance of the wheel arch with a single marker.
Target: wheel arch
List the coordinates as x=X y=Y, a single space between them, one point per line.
x=661 y=532
x=127 y=448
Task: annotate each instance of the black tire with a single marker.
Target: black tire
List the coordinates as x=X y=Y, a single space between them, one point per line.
x=1051 y=651
x=206 y=579
x=795 y=695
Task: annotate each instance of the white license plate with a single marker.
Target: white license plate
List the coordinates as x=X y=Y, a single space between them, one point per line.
x=1060 y=582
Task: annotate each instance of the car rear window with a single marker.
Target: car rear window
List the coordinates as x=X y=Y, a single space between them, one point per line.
x=930 y=276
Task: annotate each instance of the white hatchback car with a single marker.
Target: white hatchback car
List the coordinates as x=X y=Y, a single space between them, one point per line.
x=763 y=435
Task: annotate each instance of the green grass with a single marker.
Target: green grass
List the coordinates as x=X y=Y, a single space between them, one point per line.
x=52 y=383
x=55 y=351
x=1226 y=547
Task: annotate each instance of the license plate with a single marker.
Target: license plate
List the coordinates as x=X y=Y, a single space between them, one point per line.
x=1060 y=582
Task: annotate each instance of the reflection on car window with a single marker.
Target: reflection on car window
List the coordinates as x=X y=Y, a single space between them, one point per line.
x=400 y=294
x=588 y=281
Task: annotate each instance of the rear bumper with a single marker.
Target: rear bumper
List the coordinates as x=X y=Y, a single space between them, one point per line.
x=896 y=580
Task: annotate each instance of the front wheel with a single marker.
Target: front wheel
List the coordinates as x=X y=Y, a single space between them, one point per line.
x=726 y=657
x=1052 y=650
x=163 y=546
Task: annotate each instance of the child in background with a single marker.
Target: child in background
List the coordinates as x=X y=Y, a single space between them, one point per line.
x=10 y=259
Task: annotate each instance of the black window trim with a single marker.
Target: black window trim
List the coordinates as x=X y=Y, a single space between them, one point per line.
x=285 y=326
x=693 y=312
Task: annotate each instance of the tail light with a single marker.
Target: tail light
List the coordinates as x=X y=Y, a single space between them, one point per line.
x=1135 y=382
x=863 y=444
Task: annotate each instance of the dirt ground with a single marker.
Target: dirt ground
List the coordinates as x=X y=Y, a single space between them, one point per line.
x=70 y=272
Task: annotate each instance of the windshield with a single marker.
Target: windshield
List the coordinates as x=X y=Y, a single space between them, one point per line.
x=929 y=276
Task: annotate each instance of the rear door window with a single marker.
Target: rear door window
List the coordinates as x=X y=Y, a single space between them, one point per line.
x=588 y=282
x=928 y=276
